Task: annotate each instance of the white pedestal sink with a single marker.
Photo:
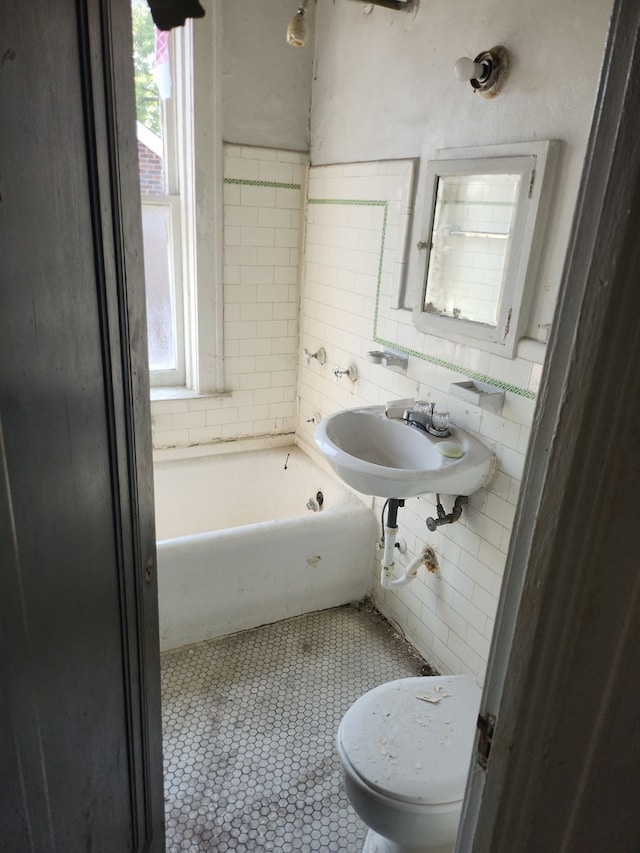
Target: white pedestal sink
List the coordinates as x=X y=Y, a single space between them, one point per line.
x=386 y=457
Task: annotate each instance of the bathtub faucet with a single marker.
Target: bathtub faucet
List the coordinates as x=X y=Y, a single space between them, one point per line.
x=351 y=372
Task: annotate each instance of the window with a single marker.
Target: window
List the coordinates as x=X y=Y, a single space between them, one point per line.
x=182 y=270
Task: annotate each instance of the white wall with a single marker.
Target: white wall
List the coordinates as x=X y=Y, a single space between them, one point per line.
x=384 y=88
x=266 y=86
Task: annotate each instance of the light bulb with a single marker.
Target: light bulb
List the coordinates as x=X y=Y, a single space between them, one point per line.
x=467 y=69
x=297 y=32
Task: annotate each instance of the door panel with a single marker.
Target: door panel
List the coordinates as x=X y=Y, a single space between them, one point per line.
x=78 y=614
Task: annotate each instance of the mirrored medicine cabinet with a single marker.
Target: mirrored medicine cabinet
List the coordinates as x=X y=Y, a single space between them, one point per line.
x=484 y=216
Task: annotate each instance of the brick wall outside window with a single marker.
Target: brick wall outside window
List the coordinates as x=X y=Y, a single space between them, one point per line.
x=151 y=171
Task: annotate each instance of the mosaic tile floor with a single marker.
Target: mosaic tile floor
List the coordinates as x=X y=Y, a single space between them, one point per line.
x=249 y=728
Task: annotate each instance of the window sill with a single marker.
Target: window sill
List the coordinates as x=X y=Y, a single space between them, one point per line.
x=182 y=393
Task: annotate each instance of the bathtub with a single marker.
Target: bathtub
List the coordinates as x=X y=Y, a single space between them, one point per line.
x=238 y=547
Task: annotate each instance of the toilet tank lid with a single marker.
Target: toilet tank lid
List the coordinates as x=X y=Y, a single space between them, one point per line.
x=411 y=739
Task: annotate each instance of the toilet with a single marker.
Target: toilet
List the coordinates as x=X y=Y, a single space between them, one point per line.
x=405 y=749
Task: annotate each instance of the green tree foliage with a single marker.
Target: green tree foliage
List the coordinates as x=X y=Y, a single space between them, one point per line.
x=147 y=98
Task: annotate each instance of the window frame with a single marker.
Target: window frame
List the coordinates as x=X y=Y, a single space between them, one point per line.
x=194 y=146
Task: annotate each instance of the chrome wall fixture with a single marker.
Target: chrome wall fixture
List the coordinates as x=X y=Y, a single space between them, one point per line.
x=298 y=33
x=487 y=73
x=396 y=5
x=320 y=355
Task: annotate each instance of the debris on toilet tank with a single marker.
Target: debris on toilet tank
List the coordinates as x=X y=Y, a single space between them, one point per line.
x=428 y=697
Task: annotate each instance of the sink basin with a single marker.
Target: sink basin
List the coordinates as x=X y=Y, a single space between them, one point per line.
x=376 y=455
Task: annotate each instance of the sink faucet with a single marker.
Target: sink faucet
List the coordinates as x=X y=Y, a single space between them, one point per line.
x=422 y=416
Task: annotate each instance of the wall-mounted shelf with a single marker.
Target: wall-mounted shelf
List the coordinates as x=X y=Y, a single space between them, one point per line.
x=495 y=235
x=389 y=358
x=478 y=394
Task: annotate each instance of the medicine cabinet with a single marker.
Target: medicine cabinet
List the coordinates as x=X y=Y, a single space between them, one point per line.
x=484 y=216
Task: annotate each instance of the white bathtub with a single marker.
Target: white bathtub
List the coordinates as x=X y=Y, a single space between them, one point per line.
x=238 y=548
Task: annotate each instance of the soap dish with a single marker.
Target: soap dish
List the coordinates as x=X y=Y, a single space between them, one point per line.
x=478 y=394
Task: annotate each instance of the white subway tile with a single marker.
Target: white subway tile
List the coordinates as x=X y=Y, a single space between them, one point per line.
x=256 y=346
x=286 y=198
x=237 y=430
x=492 y=557
x=240 y=255
x=254 y=380
x=204 y=435
x=242 y=216
x=252 y=196
x=171 y=438
x=510 y=462
x=288 y=237
x=286 y=345
x=268 y=395
x=231 y=195
x=242 y=364
x=273 y=256
x=273 y=217
x=257 y=236
x=469 y=657
x=241 y=168
x=231 y=235
x=253 y=413
x=256 y=275
x=452 y=618
x=276 y=171
x=162 y=407
x=518 y=408
x=240 y=330
x=222 y=416
x=187 y=420
x=256 y=152
x=256 y=311
x=477 y=571
x=500 y=510
x=477 y=642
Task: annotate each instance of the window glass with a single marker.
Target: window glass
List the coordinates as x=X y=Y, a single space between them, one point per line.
x=160 y=214
x=156 y=226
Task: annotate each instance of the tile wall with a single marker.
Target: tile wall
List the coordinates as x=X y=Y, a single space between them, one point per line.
x=356 y=229
x=263 y=198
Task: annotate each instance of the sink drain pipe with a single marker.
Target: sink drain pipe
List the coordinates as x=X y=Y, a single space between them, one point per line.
x=390 y=533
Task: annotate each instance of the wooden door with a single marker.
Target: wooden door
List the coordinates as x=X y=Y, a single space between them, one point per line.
x=80 y=734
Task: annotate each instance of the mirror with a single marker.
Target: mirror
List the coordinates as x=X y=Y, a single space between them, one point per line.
x=481 y=243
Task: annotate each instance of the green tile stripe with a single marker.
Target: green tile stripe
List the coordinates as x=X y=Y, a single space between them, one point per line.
x=357 y=202
x=456 y=368
x=439 y=362
x=244 y=182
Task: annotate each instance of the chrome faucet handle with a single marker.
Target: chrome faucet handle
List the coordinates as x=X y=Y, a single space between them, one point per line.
x=424 y=407
x=351 y=372
x=320 y=355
